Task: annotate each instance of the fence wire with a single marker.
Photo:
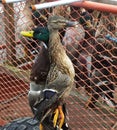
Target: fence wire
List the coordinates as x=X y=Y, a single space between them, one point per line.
x=92 y=47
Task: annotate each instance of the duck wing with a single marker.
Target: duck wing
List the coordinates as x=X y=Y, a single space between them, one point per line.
x=52 y=94
x=57 y=81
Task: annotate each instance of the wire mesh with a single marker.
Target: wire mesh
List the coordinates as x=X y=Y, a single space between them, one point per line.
x=92 y=48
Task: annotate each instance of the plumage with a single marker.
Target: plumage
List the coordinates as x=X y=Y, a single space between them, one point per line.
x=61 y=68
x=74 y=43
x=40 y=67
x=60 y=79
x=42 y=33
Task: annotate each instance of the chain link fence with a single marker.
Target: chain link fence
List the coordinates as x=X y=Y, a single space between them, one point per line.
x=92 y=47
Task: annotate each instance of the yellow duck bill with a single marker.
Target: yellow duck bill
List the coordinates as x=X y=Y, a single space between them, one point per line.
x=27 y=33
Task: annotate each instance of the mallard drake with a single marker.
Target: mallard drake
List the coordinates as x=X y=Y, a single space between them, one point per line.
x=40 y=68
x=41 y=65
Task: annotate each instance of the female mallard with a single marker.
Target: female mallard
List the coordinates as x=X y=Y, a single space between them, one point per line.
x=61 y=65
x=60 y=79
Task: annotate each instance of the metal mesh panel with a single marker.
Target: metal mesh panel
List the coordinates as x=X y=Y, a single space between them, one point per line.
x=93 y=51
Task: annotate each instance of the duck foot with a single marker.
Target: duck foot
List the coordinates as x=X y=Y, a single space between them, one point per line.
x=41 y=127
x=59 y=115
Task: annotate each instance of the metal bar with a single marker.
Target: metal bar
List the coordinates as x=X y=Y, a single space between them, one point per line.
x=112 y=2
x=95 y=6
x=53 y=4
x=10 y=1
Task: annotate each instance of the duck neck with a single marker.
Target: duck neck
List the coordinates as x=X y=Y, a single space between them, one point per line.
x=56 y=50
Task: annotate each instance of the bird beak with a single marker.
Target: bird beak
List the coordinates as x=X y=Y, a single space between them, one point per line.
x=71 y=24
x=27 y=33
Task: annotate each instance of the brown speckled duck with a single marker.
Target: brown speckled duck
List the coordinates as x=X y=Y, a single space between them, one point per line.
x=60 y=79
x=61 y=66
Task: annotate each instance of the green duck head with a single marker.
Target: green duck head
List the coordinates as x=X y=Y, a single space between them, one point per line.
x=39 y=33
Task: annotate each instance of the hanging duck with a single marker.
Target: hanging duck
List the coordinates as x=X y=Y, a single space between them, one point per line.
x=40 y=68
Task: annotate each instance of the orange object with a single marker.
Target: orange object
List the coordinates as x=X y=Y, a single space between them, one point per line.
x=95 y=6
x=62 y=117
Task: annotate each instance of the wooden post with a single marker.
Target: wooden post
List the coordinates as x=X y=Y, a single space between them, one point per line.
x=10 y=33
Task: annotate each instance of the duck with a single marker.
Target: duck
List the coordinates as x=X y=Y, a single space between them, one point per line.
x=60 y=62
x=60 y=79
x=40 y=67
x=61 y=69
